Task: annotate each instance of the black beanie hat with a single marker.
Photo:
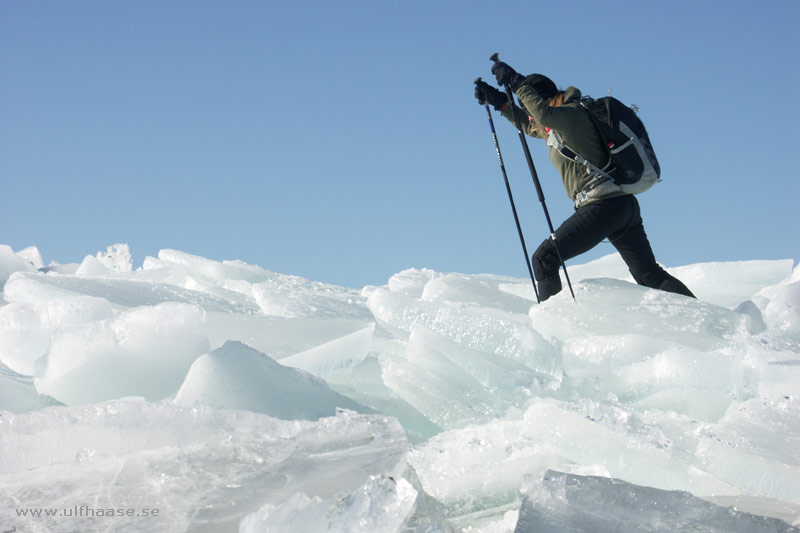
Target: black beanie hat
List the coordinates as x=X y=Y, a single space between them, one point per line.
x=543 y=85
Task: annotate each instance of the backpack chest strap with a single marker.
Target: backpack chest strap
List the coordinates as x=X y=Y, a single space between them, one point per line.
x=555 y=140
x=600 y=182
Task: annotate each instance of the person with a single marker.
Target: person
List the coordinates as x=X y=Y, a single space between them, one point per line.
x=609 y=214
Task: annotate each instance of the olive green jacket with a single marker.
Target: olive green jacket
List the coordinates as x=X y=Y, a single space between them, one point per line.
x=573 y=124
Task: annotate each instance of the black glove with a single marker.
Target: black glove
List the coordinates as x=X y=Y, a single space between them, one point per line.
x=507 y=76
x=486 y=94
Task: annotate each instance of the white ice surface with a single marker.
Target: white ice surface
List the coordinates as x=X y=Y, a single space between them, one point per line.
x=238 y=377
x=203 y=469
x=213 y=392
x=563 y=503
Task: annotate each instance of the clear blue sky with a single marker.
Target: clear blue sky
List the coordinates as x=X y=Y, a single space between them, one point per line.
x=340 y=141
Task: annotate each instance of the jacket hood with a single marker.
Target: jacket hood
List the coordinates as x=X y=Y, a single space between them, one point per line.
x=572 y=94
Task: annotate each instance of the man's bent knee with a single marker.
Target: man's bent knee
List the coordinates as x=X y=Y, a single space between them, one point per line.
x=545 y=261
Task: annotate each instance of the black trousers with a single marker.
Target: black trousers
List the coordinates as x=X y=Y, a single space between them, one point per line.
x=617 y=219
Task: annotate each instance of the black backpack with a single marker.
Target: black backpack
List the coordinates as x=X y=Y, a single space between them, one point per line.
x=632 y=155
x=632 y=162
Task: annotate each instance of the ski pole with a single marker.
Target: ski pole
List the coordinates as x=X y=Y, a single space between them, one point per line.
x=511 y=199
x=535 y=177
